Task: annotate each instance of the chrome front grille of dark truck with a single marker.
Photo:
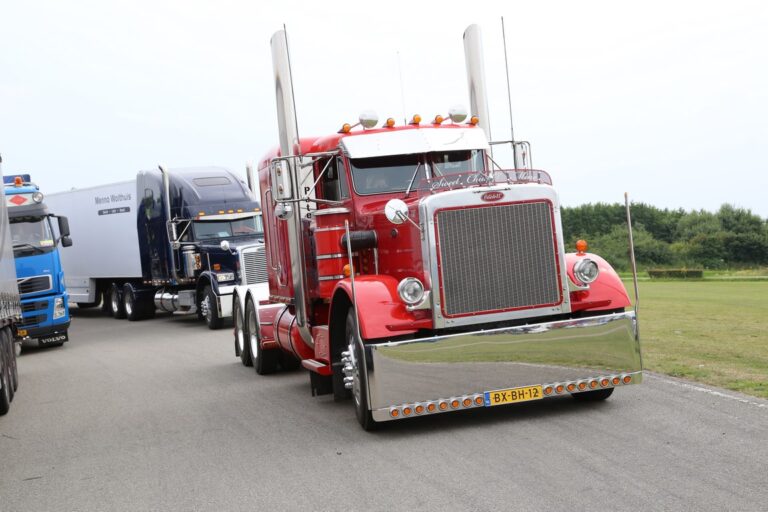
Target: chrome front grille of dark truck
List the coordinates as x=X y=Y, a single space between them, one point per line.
x=497 y=258
x=34 y=284
x=254 y=267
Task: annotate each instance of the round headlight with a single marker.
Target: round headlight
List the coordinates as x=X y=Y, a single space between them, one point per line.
x=37 y=197
x=586 y=270
x=411 y=290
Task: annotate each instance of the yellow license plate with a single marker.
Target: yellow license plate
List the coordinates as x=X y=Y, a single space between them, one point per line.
x=513 y=395
x=22 y=332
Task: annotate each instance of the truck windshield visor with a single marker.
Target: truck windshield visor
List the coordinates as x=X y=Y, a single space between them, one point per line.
x=32 y=235
x=430 y=171
x=211 y=229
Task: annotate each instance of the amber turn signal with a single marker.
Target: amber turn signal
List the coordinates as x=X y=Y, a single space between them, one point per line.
x=581 y=246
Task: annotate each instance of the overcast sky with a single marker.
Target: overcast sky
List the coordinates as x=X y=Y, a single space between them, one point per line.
x=665 y=100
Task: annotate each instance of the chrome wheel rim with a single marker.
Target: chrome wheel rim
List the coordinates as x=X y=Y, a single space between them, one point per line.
x=356 y=391
x=205 y=305
x=115 y=301
x=253 y=337
x=128 y=304
x=239 y=330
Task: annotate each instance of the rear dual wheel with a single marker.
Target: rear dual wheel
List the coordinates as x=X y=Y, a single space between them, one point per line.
x=134 y=308
x=263 y=361
x=6 y=372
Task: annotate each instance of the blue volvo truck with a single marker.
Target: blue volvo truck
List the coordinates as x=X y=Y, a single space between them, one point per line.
x=40 y=277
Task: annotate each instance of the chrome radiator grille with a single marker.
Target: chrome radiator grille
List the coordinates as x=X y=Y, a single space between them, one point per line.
x=496 y=258
x=254 y=266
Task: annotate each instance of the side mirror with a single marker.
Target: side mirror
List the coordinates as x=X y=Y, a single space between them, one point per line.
x=64 y=228
x=281 y=180
x=66 y=241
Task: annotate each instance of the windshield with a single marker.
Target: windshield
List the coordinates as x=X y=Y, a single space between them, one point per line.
x=32 y=236
x=210 y=229
x=398 y=173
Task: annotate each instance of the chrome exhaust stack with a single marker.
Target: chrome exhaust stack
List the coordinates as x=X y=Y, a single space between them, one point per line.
x=290 y=148
x=478 y=96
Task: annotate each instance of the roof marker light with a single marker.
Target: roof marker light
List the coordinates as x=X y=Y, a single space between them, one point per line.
x=474 y=120
x=345 y=128
x=17 y=181
x=416 y=119
x=221 y=211
x=390 y=122
x=438 y=119
x=200 y=214
x=581 y=246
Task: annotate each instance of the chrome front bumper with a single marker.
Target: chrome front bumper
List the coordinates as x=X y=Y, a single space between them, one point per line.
x=403 y=375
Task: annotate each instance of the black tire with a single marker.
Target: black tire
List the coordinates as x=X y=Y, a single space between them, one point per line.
x=242 y=347
x=360 y=384
x=10 y=358
x=209 y=310
x=116 y=302
x=593 y=396
x=106 y=306
x=5 y=381
x=264 y=361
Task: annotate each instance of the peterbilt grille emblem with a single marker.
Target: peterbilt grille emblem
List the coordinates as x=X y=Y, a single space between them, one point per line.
x=18 y=200
x=492 y=196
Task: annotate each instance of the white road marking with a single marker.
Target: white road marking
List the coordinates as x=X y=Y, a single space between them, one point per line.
x=706 y=390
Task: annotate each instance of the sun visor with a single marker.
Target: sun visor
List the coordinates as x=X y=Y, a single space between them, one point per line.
x=408 y=142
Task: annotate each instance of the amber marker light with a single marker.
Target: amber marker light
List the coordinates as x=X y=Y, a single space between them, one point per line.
x=416 y=119
x=438 y=119
x=559 y=388
x=455 y=403
x=582 y=386
x=345 y=128
x=605 y=382
x=548 y=390
x=390 y=122
x=346 y=270
x=474 y=120
x=431 y=407
x=394 y=413
x=627 y=379
x=581 y=246
x=616 y=381
x=419 y=409
x=478 y=400
x=570 y=387
x=593 y=384
x=200 y=214
x=443 y=406
x=407 y=411
x=239 y=210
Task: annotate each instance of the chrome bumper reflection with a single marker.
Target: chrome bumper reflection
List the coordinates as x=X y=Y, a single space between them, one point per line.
x=471 y=363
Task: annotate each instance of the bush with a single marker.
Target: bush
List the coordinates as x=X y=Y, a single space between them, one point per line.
x=676 y=273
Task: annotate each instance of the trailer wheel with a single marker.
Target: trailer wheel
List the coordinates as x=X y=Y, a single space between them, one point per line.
x=242 y=348
x=106 y=301
x=116 y=303
x=359 y=383
x=5 y=382
x=209 y=309
x=264 y=361
x=593 y=396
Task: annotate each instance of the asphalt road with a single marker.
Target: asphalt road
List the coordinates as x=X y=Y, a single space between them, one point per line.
x=160 y=415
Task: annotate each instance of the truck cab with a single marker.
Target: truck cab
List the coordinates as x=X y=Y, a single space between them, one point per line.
x=36 y=239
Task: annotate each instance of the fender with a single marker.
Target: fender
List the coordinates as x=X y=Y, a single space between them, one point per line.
x=206 y=277
x=381 y=312
x=606 y=292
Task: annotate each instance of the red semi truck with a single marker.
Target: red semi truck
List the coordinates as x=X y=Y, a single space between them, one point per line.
x=408 y=270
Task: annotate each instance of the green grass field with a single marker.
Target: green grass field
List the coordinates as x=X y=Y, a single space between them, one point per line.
x=715 y=332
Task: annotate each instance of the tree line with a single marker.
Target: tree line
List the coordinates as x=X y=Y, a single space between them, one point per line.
x=729 y=238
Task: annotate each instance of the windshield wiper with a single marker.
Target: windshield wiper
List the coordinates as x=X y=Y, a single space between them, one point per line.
x=410 y=184
x=33 y=247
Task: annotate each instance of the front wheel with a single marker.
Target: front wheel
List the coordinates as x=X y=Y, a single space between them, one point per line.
x=209 y=309
x=359 y=381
